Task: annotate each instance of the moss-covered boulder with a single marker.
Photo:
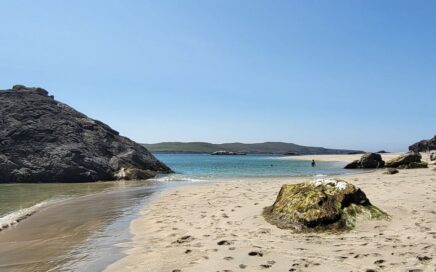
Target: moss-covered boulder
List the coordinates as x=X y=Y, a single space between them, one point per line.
x=323 y=204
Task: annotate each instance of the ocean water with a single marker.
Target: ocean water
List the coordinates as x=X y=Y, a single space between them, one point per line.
x=204 y=167
x=74 y=226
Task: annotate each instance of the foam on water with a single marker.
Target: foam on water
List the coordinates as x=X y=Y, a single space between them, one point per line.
x=13 y=218
x=177 y=177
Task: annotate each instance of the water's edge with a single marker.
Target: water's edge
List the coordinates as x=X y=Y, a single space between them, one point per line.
x=86 y=232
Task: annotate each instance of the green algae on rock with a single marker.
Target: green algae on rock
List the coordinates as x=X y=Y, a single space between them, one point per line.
x=323 y=204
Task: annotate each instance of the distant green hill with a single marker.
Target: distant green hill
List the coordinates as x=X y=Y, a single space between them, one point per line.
x=260 y=148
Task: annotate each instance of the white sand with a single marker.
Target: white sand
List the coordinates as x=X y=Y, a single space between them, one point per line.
x=181 y=229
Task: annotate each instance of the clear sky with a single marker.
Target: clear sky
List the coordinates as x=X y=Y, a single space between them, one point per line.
x=342 y=74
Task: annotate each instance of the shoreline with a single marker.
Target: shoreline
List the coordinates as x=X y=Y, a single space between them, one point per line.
x=41 y=215
x=64 y=233
x=213 y=227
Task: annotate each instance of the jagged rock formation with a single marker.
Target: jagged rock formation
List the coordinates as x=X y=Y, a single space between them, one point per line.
x=424 y=145
x=368 y=160
x=43 y=140
x=407 y=161
x=324 y=204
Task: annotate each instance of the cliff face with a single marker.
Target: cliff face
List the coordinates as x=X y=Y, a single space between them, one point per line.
x=43 y=140
x=424 y=145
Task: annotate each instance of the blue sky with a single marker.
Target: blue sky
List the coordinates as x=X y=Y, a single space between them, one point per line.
x=345 y=74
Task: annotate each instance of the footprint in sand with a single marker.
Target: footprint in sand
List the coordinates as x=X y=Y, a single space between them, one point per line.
x=255 y=253
x=268 y=264
x=224 y=243
x=184 y=239
x=424 y=259
x=379 y=262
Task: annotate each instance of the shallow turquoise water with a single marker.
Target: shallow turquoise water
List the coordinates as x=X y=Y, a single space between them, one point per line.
x=204 y=166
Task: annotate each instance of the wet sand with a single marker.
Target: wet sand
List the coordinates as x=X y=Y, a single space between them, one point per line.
x=219 y=227
x=76 y=234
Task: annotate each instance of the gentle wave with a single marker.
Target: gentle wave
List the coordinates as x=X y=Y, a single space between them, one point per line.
x=171 y=178
x=15 y=217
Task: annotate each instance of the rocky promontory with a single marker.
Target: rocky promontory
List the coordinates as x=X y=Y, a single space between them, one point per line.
x=44 y=140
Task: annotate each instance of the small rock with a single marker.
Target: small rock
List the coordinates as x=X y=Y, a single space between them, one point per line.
x=391 y=171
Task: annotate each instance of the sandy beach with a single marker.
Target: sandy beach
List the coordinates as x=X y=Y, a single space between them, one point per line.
x=219 y=227
x=176 y=136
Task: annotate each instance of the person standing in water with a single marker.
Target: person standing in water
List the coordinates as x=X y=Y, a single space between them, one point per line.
x=313 y=163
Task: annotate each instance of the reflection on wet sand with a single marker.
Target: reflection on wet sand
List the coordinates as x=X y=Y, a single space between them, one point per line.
x=46 y=240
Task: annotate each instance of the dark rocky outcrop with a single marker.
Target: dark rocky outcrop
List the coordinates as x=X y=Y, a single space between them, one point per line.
x=324 y=204
x=407 y=161
x=368 y=160
x=424 y=145
x=43 y=140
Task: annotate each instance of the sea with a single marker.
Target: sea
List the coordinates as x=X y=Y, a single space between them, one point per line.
x=82 y=226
